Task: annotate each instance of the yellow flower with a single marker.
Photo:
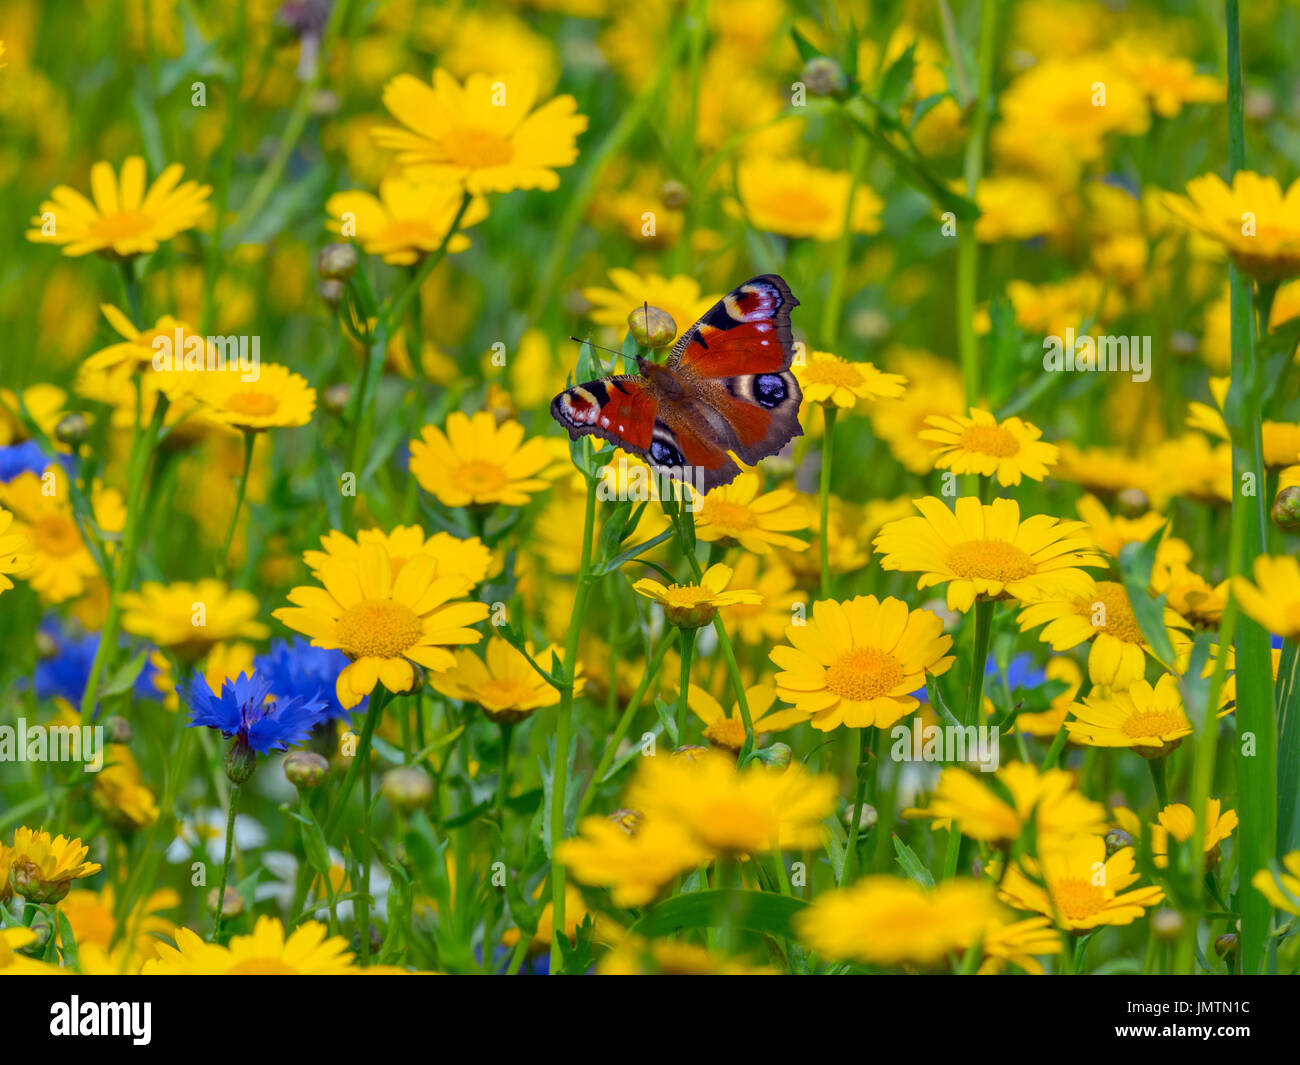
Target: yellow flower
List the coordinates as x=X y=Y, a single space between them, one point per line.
x=383 y=621
x=1017 y=943
x=43 y=869
x=979 y=444
x=93 y=918
x=934 y=387
x=736 y=514
x=467 y=559
x=790 y=197
x=1177 y=821
x=119 y=793
x=1167 y=81
x=764 y=621
x=503 y=682
x=987 y=551
x=60 y=564
x=1101 y=613
x=690 y=606
x=857 y=663
x=885 y=920
x=635 y=865
x=1051 y=308
x=479 y=462
x=1274 y=598
x=1111 y=532
x=1047 y=801
x=1049 y=722
x=733 y=811
x=828 y=379
x=1077 y=886
x=1014 y=207
x=44 y=403
x=487 y=42
x=16 y=553
x=1148 y=720
x=1282 y=889
x=406 y=221
x=678 y=296
x=267 y=952
x=124 y=220
x=190 y=618
x=728 y=731
x=484 y=135
x=635 y=956
x=276 y=399
x=1255 y=222
x=12 y=940
x=135 y=351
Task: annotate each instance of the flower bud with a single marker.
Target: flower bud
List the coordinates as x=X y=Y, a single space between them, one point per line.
x=674 y=195
x=1181 y=342
x=778 y=756
x=118 y=729
x=1225 y=946
x=408 y=788
x=331 y=292
x=335 y=398
x=652 y=327
x=1116 y=840
x=1167 y=924
x=305 y=769
x=627 y=820
x=25 y=879
x=72 y=429
x=336 y=262
x=46 y=645
x=823 y=76
x=1132 y=502
x=241 y=760
x=233 y=905
x=866 y=816
x=690 y=616
x=1286 y=509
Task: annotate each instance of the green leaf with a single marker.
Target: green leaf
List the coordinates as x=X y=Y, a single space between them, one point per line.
x=897 y=79
x=750 y=911
x=1135 y=563
x=67 y=940
x=912 y=865
x=1288 y=749
x=123 y=677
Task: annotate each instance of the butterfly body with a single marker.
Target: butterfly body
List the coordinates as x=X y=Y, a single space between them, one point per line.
x=726 y=387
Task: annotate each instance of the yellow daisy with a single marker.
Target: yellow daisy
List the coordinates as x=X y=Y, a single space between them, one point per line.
x=406 y=221
x=307 y=951
x=1048 y=723
x=828 y=379
x=119 y=793
x=1103 y=614
x=477 y=461
x=124 y=220
x=468 y=559
x=12 y=963
x=857 y=663
x=1255 y=222
x=980 y=444
x=1274 y=598
x=1176 y=821
x=987 y=551
x=634 y=864
x=1077 y=886
x=94 y=920
x=765 y=621
x=790 y=197
x=135 y=351
x=190 y=618
x=734 y=811
x=16 y=554
x=503 y=682
x=737 y=514
x=1150 y=721
x=276 y=399
x=42 y=869
x=1017 y=943
x=679 y=297
x=886 y=920
x=1168 y=82
x=484 y=135
x=1282 y=889
x=728 y=730
x=381 y=621
x=689 y=606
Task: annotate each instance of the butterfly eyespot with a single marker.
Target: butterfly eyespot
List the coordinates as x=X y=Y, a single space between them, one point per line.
x=770 y=390
x=662 y=454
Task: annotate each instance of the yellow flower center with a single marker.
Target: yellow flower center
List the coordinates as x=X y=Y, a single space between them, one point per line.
x=56 y=535
x=724 y=515
x=480 y=478
x=477 y=149
x=258 y=404
x=1078 y=899
x=1151 y=723
x=795 y=204
x=262 y=967
x=832 y=372
x=733 y=824
x=1116 y=616
x=989 y=440
x=378 y=628
x=990 y=560
x=503 y=692
x=864 y=673
x=687 y=595
x=729 y=733
x=123 y=224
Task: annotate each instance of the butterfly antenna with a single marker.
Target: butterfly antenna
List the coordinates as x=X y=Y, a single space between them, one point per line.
x=599 y=347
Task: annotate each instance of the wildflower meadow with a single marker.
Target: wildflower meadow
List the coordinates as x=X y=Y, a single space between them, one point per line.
x=617 y=487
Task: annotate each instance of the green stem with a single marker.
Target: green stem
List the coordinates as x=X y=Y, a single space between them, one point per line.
x=503 y=775
x=688 y=648
x=223 y=560
x=379 y=698
x=980 y=653
x=225 y=864
x=851 y=853
x=831 y=310
x=1160 y=778
x=829 y=411
x=394 y=313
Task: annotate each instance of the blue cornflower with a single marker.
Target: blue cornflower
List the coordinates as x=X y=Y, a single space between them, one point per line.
x=1022 y=672
x=27 y=457
x=242 y=713
x=66 y=671
x=295 y=667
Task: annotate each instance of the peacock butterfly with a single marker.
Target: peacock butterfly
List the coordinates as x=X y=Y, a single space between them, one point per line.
x=726 y=386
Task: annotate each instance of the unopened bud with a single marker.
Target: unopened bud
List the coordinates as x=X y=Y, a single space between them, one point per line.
x=233 y=905
x=1132 y=501
x=1167 y=924
x=652 y=327
x=337 y=262
x=1286 y=509
x=674 y=195
x=335 y=398
x=331 y=292
x=408 y=788
x=305 y=769
x=1116 y=840
x=241 y=760
x=1225 y=946
x=866 y=816
x=72 y=429
x=118 y=729
x=777 y=756
x=823 y=76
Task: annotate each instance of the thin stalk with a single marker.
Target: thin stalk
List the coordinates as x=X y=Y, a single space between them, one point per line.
x=223 y=560
x=829 y=412
x=860 y=775
x=225 y=864
x=688 y=648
